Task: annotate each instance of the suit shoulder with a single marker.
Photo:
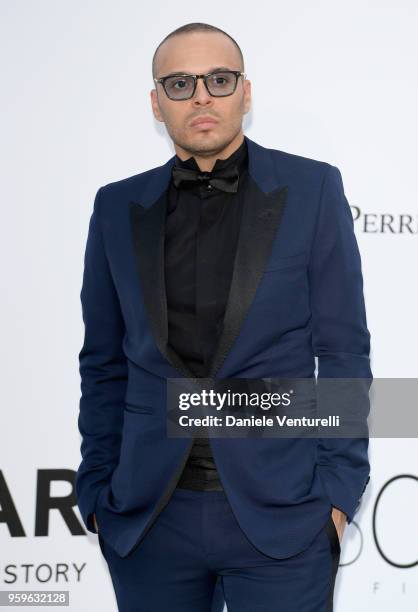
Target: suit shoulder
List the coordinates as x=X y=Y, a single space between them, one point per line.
x=118 y=194
x=130 y=184
x=296 y=164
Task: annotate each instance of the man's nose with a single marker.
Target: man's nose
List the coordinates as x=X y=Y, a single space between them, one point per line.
x=201 y=94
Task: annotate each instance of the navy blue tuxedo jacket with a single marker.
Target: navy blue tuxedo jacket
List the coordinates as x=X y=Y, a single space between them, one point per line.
x=296 y=293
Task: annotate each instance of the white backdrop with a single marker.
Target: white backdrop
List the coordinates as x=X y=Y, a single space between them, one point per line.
x=335 y=81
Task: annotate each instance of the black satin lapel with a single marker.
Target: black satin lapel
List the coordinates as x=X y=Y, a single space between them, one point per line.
x=261 y=217
x=147 y=225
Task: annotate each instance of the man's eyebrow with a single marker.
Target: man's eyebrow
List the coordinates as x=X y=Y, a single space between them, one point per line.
x=214 y=69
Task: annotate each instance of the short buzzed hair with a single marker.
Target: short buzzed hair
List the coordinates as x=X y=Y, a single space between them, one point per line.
x=196 y=27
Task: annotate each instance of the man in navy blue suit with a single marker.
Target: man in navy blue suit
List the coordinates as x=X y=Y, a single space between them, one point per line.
x=230 y=260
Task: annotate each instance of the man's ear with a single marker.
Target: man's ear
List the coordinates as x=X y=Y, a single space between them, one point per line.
x=155 y=105
x=247 y=96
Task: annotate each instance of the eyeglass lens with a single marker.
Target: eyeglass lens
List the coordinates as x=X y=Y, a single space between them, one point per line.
x=219 y=84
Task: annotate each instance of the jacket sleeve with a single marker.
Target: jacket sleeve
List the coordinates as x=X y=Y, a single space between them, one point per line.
x=103 y=372
x=340 y=337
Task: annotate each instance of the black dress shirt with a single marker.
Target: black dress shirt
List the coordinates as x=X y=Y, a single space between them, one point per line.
x=201 y=234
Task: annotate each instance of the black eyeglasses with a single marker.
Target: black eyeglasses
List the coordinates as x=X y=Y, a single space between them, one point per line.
x=183 y=86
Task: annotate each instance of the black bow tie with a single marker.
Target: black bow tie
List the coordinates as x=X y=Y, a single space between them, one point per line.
x=225 y=179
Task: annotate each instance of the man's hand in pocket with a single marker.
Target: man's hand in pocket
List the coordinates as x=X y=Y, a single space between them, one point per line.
x=340 y=520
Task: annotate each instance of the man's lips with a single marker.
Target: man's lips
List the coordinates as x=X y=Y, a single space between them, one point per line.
x=204 y=122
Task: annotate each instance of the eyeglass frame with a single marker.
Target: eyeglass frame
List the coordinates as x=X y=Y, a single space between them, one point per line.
x=162 y=80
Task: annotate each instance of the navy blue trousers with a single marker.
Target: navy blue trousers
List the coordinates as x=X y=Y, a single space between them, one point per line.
x=195 y=557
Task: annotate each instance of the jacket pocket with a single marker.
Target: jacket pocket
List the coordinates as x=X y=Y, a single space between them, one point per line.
x=280 y=263
x=139 y=408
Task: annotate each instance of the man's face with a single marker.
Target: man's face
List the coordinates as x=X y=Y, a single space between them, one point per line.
x=200 y=53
